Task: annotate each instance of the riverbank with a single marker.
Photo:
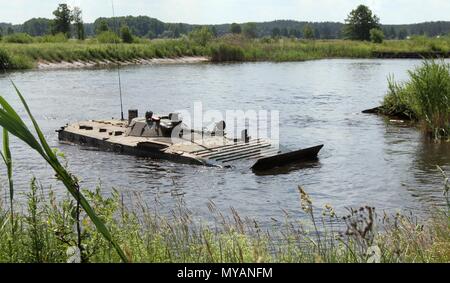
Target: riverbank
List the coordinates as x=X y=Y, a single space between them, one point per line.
x=48 y=65
x=75 y=54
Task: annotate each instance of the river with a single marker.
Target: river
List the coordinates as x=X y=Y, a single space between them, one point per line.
x=366 y=160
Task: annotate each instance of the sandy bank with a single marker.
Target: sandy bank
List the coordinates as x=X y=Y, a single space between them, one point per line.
x=45 y=65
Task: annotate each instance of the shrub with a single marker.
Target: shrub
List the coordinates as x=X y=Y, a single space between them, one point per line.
x=140 y=40
x=250 y=30
x=227 y=53
x=57 y=38
x=201 y=36
x=108 y=37
x=376 y=35
x=21 y=38
x=126 y=35
x=17 y=62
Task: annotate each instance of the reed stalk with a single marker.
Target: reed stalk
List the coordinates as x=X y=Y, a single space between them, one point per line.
x=12 y=123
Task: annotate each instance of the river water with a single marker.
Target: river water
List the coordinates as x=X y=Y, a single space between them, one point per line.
x=366 y=160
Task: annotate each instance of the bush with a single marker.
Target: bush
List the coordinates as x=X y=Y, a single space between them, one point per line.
x=201 y=36
x=376 y=35
x=396 y=103
x=250 y=30
x=57 y=38
x=108 y=37
x=21 y=38
x=227 y=53
x=425 y=97
x=140 y=40
x=14 y=62
x=4 y=59
x=126 y=35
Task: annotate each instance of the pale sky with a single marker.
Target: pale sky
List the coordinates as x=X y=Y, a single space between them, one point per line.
x=227 y=11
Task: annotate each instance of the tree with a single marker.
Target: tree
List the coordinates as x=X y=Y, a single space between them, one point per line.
x=317 y=34
x=250 y=30
x=359 y=23
x=393 y=33
x=201 y=36
x=276 y=32
x=78 y=20
x=150 y=35
x=326 y=32
x=235 y=28
x=376 y=35
x=308 y=32
x=175 y=30
x=10 y=31
x=213 y=31
x=37 y=26
x=126 y=35
x=402 y=34
x=102 y=27
x=294 y=33
x=63 y=20
x=1 y=33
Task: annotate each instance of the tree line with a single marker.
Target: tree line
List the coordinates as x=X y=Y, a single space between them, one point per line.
x=69 y=21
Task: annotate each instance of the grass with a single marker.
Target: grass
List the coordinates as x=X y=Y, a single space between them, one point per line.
x=227 y=48
x=425 y=97
x=45 y=233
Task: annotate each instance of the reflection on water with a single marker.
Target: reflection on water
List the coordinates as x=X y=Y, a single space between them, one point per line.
x=429 y=155
x=285 y=170
x=365 y=160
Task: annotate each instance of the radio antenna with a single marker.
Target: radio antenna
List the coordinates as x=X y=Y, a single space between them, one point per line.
x=118 y=61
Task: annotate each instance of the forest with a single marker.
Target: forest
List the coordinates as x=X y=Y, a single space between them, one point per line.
x=144 y=26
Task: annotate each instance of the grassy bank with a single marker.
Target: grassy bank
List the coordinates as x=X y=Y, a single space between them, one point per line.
x=44 y=232
x=284 y=49
x=424 y=98
x=228 y=48
x=25 y=56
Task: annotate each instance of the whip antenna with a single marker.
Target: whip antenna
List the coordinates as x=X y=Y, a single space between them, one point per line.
x=118 y=62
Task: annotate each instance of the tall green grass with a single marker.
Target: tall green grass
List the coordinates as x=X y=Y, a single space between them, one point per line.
x=227 y=48
x=288 y=49
x=425 y=97
x=12 y=123
x=11 y=61
x=57 y=38
x=91 y=51
x=21 y=38
x=45 y=233
x=227 y=53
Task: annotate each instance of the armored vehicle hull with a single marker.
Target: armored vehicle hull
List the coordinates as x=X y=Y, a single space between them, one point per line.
x=155 y=138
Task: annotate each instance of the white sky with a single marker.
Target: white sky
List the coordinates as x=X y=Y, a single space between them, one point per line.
x=227 y=11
